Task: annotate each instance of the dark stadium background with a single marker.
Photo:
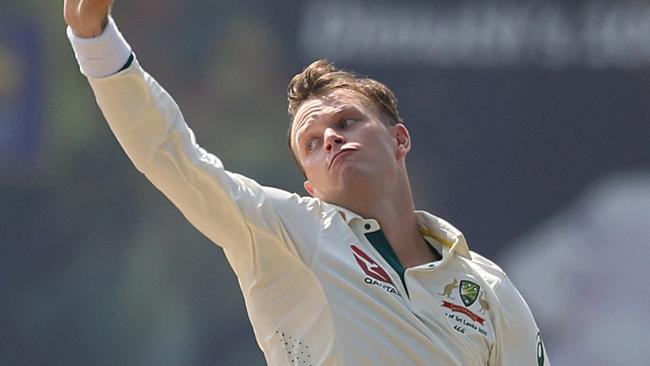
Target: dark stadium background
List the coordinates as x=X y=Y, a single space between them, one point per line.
x=516 y=109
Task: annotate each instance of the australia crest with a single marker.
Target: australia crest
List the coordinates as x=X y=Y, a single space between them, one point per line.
x=468 y=292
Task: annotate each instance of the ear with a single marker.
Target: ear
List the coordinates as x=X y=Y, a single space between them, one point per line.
x=402 y=139
x=309 y=188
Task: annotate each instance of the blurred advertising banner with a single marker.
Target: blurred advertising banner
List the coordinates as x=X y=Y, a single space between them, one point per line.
x=594 y=34
x=21 y=90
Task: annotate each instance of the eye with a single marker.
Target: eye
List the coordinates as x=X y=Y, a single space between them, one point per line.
x=345 y=123
x=311 y=145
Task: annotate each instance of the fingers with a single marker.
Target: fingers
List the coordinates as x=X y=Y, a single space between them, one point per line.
x=87 y=18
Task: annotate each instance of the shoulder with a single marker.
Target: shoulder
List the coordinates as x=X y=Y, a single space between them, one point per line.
x=289 y=202
x=500 y=288
x=492 y=275
x=301 y=213
x=486 y=269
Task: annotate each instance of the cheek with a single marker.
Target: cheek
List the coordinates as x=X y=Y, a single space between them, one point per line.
x=311 y=168
x=380 y=140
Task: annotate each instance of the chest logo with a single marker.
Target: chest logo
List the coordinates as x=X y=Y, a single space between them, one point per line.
x=369 y=266
x=375 y=275
x=468 y=292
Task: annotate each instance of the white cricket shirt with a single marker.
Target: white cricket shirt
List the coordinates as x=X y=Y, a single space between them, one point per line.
x=317 y=279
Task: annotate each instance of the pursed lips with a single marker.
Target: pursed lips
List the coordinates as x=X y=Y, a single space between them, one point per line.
x=335 y=156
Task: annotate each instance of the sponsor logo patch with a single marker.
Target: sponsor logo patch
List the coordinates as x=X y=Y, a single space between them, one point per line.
x=375 y=275
x=369 y=266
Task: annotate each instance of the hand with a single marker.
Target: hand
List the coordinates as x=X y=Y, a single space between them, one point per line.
x=87 y=18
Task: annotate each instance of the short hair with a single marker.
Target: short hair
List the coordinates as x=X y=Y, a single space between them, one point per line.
x=322 y=77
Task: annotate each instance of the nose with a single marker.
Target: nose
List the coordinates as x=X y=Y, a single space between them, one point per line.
x=332 y=139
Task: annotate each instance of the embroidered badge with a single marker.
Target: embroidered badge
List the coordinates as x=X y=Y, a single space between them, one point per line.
x=461 y=317
x=468 y=292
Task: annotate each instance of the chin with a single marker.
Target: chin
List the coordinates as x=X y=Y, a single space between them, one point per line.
x=358 y=174
x=351 y=180
x=356 y=181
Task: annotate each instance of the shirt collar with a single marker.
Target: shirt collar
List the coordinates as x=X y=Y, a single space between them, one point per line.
x=428 y=225
x=443 y=232
x=356 y=221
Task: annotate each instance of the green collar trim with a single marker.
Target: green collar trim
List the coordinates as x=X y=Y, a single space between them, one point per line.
x=381 y=244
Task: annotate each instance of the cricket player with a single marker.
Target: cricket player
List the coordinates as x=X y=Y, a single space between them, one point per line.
x=350 y=275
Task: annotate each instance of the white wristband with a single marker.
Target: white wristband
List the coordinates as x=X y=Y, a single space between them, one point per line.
x=103 y=55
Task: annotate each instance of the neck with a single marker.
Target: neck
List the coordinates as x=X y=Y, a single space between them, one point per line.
x=393 y=209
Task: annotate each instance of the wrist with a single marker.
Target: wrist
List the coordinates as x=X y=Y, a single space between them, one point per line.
x=103 y=54
x=89 y=30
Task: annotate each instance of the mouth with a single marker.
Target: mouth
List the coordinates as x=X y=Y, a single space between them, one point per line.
x=337 y=155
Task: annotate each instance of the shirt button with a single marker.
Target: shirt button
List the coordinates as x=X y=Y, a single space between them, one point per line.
x=367 y=226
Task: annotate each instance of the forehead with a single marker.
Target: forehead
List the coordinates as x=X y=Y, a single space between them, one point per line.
x=336 y=101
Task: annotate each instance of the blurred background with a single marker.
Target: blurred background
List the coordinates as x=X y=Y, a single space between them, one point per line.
x=531 y=133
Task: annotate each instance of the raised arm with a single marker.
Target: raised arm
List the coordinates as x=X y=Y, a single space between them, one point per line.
x=233 y=211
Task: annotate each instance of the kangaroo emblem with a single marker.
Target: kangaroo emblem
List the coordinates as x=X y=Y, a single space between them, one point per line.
x=449 y=288
x=485 y=306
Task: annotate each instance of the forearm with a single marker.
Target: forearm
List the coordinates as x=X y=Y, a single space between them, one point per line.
x=139 y=111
